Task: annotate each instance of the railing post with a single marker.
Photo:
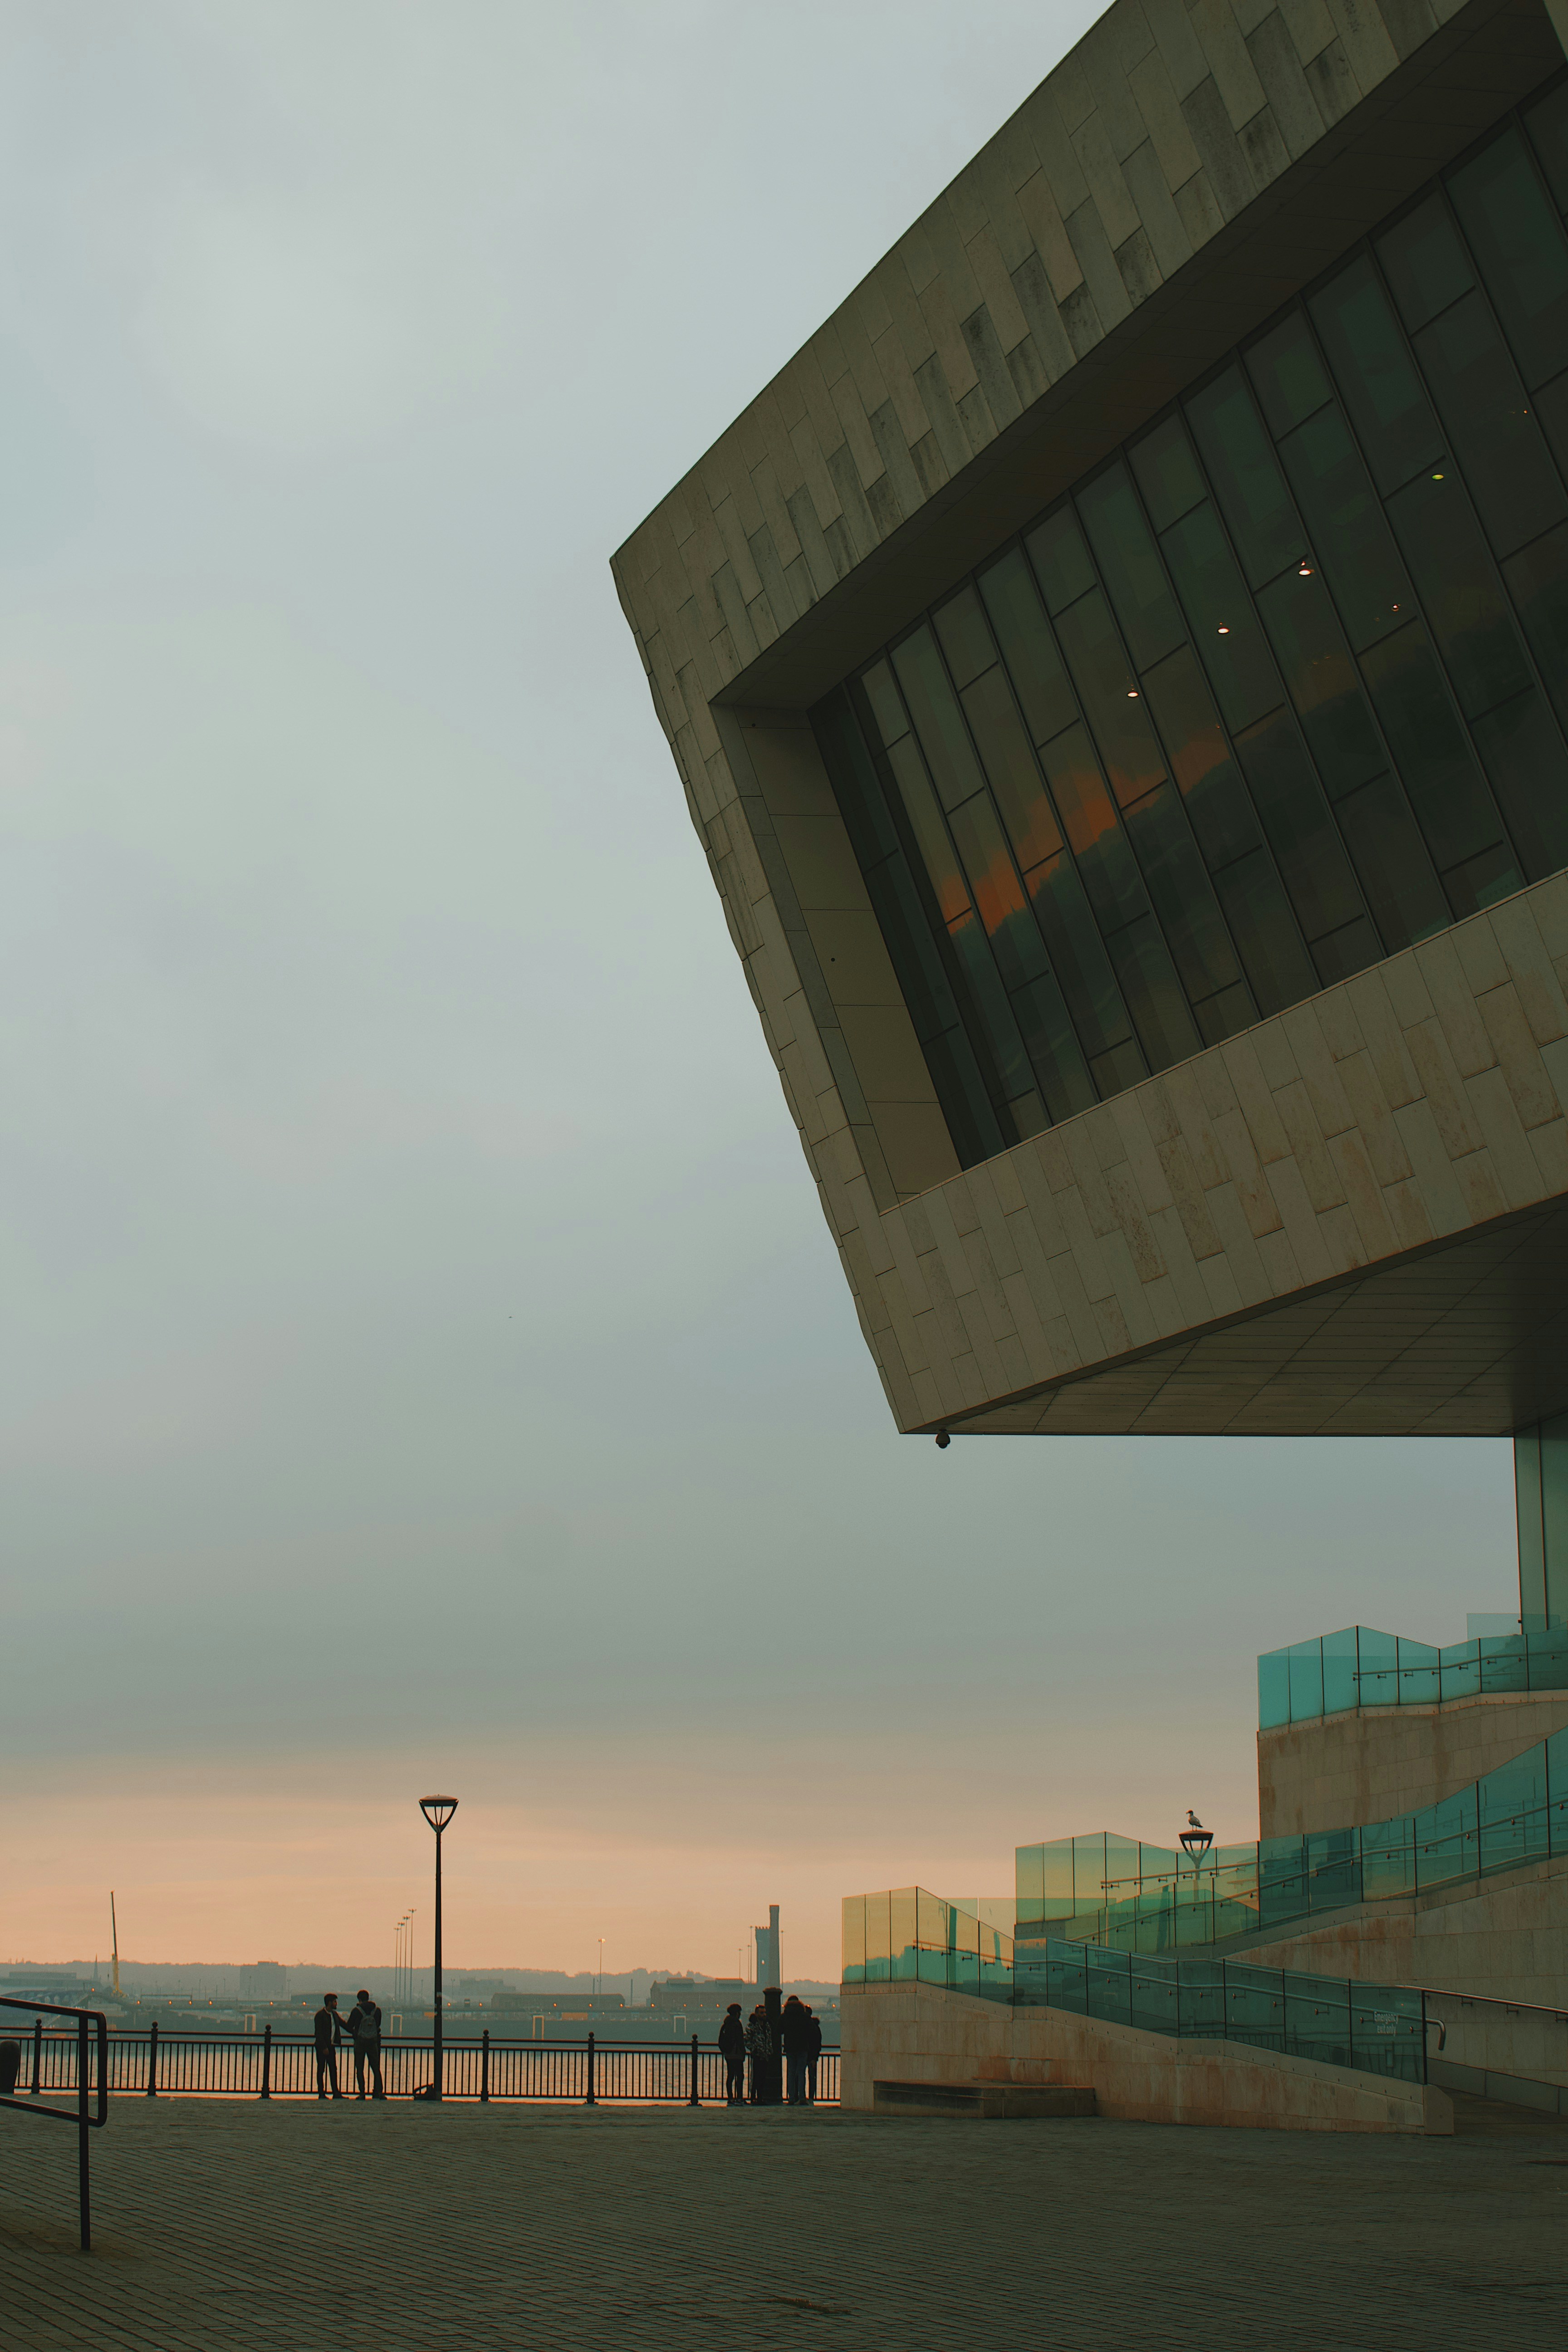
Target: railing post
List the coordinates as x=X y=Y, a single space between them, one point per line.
x=84 y=2200
x=153 y=2060
x=590 y=2101
x=267 y=2060
x=485 y=2067
x=38 y=2056
x=1425 y=2077
x=694 y=2101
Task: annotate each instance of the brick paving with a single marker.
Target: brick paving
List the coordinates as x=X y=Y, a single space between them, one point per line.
x=223 y=2223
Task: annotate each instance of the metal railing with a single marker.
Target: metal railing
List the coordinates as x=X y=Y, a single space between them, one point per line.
x=268 y=2065
x=87 y=2069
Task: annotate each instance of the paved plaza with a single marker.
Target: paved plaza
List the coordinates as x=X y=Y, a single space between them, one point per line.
x=220 y=2223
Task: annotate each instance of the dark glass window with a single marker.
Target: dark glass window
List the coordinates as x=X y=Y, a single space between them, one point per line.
x=1279 y=690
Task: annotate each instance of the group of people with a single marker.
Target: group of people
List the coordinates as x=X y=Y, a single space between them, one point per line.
x=364 y=2023
x=798 y=2042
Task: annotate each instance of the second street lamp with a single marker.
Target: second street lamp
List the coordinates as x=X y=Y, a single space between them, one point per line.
x=437 y=1811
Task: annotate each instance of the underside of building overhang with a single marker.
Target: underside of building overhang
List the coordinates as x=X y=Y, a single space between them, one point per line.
x=1467 y=1339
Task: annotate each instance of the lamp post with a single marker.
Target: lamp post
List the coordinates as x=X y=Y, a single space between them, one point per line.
x=437 y=1811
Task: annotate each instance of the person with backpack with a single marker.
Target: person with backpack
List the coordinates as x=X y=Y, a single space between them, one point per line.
x=794 y=2036
x=732 y=2042
x=364 y=2027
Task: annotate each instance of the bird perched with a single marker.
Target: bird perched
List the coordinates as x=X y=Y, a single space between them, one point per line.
x=1193 y=1820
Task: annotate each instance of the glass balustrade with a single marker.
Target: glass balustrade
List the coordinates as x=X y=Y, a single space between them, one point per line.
x=1112 y=1891
x=1362 y=1667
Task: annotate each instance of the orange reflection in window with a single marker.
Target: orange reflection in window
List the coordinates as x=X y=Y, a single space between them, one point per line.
x=1085 y=805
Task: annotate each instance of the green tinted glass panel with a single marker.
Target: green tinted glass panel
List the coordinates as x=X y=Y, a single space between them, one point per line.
x=1060 y=559
x=1052 y=1044
x=922 y=975
x=1525 y=759
x=1223 y=817
x=841 y=731
x=1240 y=462
x=1300 y=831
x=1376 y=378
x=1182 y=893
x=1013 y=769
x=1287 y=375
x=1093 y=828
x=1517 y=241
x=1077 y=956
x=1460 y=593
x=1028 y=648
x=965 y=640
x=1230 y=643
x=938 y=721
x=1167 y=473
x=1350 y=542
x=1547 y=124
x=1392 y=863
x=1425 y=261
x=1152 y=993
x=887 y=706
x=1110 y=698
x=1455 y=810
x=1130 y=566
x=998 y=894
x=931 y=838
x=1323 y=683
x=1537 y=581
x=977 y=967
x=1264 y=928
x=1516 y=487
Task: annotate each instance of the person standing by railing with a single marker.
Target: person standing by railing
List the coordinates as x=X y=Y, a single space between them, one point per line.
x=329 y=2031
x=759 y=2049
x=794 y=2035
x=813 y=2052
x=732 y=2042
x=364 y=2026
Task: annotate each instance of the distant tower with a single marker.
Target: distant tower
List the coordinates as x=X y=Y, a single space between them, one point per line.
x=769 y=1969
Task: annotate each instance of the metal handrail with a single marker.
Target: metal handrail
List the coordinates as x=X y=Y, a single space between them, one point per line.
x=83 y=2121
x=155 y=2063
x=1492 y=2000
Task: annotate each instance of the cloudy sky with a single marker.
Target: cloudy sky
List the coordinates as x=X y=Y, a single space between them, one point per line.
x=424 y=1361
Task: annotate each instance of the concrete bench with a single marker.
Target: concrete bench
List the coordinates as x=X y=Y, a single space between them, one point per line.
x=990 y=2101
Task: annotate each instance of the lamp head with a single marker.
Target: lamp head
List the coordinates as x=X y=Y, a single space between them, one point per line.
x=438 y=1810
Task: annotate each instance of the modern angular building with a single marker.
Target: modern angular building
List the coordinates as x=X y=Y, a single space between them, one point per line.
x=1119 y=671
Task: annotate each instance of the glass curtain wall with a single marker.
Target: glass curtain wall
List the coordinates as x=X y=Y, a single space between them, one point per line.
x=1278 y=691
x=1516 y=1814
x=1540 y=1486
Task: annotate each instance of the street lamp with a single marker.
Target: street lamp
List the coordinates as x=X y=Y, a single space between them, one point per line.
x=437 y=1811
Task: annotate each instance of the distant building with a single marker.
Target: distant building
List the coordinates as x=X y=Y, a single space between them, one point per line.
x=770 y=1969
x=692 y=1996
x=265 y=1981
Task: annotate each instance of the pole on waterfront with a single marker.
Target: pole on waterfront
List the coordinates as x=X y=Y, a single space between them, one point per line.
x=437 y=1811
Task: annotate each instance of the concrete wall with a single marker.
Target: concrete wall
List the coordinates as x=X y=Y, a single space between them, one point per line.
x=914 y=2033
x=1508 y=1940
x=1371 y=1763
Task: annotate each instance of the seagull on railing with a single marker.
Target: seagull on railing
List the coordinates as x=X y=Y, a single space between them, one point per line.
x=1193 y=1821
